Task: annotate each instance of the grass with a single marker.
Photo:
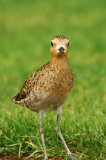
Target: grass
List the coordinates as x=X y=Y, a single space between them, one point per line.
x=26 y=28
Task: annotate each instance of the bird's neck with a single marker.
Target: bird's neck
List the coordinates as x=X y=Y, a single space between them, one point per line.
x=60 y=61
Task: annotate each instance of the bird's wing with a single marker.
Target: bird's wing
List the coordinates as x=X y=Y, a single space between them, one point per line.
x=28 y=85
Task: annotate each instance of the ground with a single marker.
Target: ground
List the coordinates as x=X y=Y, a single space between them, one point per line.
x=26 y=28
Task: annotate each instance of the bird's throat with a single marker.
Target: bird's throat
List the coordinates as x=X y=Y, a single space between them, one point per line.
x=60 y=61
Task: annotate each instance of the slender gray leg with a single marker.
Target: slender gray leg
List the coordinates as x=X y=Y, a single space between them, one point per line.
x=60 y=134
x=42 y=134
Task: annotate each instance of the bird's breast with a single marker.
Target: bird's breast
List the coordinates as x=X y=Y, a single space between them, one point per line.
x=52 y=86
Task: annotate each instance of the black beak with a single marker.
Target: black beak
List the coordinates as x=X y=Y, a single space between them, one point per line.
x=61 y=49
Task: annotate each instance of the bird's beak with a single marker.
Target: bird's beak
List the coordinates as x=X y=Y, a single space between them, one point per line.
x=61 y=49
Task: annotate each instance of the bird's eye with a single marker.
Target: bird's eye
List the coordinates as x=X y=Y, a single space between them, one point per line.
x=51 y=44
x=68 y=43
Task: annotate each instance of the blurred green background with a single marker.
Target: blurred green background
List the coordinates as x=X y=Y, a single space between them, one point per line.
x=26 y=28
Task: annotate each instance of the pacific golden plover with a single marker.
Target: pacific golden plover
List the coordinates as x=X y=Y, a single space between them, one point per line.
x=49 y=86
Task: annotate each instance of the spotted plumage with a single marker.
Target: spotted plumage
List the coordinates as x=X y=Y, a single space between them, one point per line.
x=49 y=86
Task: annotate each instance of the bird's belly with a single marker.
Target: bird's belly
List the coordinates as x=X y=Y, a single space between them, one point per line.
x=43 y=100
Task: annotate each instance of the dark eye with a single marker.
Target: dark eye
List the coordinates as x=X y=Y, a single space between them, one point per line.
x=68 y=43
x=51 y=44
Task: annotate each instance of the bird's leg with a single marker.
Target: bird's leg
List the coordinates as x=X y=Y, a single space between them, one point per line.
x=42 y=134
x=60 y=134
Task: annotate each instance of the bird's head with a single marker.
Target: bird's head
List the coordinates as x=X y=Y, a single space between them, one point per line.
x=59 y=46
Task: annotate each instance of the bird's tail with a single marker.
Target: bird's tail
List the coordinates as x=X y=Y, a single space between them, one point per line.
x=14 y=100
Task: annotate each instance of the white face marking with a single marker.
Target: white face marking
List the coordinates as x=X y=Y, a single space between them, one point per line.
x=58 y=46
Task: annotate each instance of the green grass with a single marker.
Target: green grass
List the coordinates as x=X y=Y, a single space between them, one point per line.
x=26 y=28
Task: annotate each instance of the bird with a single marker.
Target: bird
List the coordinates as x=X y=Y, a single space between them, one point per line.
x=49 y=86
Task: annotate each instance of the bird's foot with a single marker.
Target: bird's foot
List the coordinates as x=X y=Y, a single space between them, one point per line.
x=71 y=156
x=47 y=158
